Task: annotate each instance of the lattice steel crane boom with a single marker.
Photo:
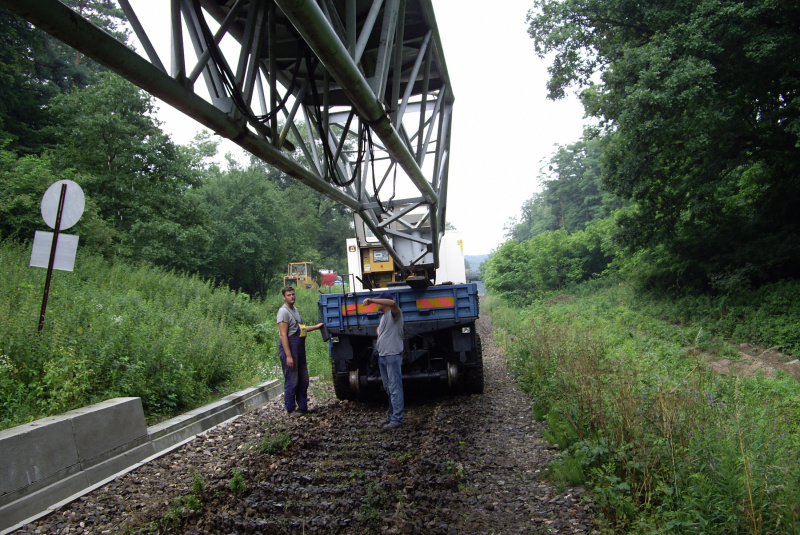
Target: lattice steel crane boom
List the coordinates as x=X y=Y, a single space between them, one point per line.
x=367 y=77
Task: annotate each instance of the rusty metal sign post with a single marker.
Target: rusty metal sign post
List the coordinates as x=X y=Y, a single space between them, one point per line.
x=63 y=201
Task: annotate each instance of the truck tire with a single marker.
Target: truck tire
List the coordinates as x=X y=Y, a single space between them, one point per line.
x=472 y=376
x=341 y=386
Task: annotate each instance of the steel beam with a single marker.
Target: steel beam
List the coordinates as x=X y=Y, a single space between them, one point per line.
x=309 y=20
x=60 y=21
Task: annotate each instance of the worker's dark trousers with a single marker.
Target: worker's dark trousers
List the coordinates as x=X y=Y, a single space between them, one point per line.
x=295 y=380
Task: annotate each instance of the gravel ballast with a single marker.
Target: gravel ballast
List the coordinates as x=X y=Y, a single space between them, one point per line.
x=459 y=465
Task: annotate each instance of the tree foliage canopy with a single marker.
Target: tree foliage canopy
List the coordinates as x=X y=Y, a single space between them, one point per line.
x=140 y=179
x=524 y=271
x=572 y=194
x=700 y=104
x=251 y=240
x=35 y=67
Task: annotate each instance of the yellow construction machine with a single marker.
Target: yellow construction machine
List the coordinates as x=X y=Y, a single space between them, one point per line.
x=301 y=275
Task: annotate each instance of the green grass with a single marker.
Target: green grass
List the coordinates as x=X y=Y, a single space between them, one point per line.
x=117 y=330
x=275 y=443
x=665 y=445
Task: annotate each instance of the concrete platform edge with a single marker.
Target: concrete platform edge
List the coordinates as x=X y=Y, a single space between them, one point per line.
x=162 y=438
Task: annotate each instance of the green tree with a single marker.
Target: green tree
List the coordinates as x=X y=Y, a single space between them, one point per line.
x=572 y=193
x=143 y=183
x=700 y=103
x=326 y=223
x=21 y=95
x=35 y=67
x=507 y=273
x=522 y=271
x=23 y=182
x=253 y=237
x=536 y=216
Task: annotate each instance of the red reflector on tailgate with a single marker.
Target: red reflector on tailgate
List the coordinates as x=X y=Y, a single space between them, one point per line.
x=435 y=302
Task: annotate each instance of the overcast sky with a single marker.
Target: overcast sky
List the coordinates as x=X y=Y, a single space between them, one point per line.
x=503 y=126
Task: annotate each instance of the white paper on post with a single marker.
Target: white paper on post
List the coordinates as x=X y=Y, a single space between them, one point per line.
x=66 y=250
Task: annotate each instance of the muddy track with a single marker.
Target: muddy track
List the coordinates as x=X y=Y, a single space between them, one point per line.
x=460 y=464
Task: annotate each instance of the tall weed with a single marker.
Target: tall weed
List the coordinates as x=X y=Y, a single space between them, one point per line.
x=116 y=330
x=665 y=445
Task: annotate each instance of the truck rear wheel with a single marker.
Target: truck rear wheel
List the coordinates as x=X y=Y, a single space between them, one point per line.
x=472 y=376
x=341 y=386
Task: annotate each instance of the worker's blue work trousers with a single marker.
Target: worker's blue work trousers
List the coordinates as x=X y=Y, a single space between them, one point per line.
x=392 y=378
x=295 y=379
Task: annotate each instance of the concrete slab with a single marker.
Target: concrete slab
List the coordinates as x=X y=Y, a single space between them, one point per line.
x=108 y=428
x=96 y=463
x=36 y=452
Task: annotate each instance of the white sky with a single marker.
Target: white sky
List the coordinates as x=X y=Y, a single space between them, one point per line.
x=503 y=124
x=504 y=128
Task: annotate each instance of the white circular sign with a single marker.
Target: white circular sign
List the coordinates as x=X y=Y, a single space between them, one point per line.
x=74 y=203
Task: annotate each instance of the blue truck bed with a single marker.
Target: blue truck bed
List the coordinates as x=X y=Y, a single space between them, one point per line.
x=441 y=345
x=457 y=303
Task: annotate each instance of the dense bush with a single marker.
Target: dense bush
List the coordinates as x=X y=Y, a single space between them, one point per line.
x=120 y=330
x=521 y=271
x=665 y=445
x=769 y=316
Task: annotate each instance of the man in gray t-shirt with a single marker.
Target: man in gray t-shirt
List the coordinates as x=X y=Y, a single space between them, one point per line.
x=292 y=354
x=390 y=356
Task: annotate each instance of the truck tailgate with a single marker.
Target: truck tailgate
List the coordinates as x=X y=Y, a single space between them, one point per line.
x=451 y=302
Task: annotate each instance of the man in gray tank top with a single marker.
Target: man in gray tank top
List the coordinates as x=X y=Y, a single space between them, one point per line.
x=390 y=356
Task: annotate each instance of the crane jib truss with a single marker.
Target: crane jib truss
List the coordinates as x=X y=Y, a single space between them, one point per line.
x=347 y=96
